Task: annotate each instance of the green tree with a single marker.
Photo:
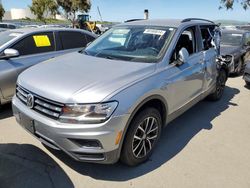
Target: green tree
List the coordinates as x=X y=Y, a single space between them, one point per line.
x=72 y=7
x=228 y=4
x=44 y=9
x=2 y=11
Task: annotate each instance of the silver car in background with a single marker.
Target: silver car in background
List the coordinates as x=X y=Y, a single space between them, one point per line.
x=22 y=48
x=111 y=100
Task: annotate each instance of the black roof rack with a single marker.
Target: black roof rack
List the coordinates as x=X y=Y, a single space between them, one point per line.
x=198 y=19
x=133 y=20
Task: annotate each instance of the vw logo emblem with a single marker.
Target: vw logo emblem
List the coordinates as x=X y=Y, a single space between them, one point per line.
x=30 y=101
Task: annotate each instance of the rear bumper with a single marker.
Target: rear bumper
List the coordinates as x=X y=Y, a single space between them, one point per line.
x=90 y=143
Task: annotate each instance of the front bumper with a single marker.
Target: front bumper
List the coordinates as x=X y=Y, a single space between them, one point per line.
x=90 y=142
x=246 y=77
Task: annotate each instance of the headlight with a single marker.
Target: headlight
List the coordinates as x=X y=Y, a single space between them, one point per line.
x=88 y=113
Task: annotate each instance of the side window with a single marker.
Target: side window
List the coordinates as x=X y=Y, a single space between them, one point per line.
x=12 y=27
x=72 y=39
x=89 y=38
x=36 y=43
x=207 y=37
x=3 y=25
x=187 y=40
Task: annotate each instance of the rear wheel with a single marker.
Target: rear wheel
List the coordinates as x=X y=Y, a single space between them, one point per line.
x=220 y=86
x=142 y=135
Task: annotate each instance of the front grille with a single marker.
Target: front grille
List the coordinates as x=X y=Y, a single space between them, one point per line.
x=41 y=105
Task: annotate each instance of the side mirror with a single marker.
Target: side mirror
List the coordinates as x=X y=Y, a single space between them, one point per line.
x=183 y=56
x=9 y=53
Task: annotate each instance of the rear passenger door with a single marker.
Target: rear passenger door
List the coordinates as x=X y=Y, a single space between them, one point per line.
x=33 y=49
x=73 y=40
x=209 y=51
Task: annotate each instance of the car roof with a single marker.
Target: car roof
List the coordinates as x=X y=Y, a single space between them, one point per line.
x=35 y=30
x=235 y=31
x=168 y=22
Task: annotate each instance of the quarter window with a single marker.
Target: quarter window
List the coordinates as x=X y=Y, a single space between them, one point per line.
x=36 y=43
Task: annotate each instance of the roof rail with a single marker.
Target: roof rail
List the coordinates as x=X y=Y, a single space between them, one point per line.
x=133 y=20
x=198 y=19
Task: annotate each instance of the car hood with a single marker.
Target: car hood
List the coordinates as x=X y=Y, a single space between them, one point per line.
x=78 y=78
x=229 y=50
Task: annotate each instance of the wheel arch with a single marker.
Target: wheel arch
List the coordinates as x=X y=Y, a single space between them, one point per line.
x=152 y=101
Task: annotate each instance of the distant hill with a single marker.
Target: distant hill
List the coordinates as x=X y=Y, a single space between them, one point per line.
x=230 y=22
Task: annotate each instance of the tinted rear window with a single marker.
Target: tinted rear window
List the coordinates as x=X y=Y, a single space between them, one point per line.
x=72 y=39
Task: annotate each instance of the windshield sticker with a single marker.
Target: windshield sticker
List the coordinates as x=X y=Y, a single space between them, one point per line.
x=237 y=35
x=42 y=41
x=15 y=34
x=121 y=31
x=171 y=29
x=154 y=32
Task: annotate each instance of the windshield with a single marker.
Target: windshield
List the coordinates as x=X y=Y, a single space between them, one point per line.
x=132 y=43
x=7 y=36
x=231 y=39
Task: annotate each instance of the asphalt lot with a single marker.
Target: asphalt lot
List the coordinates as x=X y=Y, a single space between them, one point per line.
x=208 y=146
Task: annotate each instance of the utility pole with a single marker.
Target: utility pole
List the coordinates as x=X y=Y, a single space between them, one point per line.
x=146 y=14
x=99 y=12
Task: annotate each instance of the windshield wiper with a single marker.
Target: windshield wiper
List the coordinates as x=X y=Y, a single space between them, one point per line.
x=83 y=51
x=109 y=57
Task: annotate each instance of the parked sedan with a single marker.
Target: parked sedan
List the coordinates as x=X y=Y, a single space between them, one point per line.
x=237 y=44
x=22 y=48
x=246 y=76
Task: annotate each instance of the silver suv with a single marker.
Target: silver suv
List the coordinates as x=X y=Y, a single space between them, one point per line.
x=111 y=100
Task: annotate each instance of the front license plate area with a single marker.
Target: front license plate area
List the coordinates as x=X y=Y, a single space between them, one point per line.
x=27 y=123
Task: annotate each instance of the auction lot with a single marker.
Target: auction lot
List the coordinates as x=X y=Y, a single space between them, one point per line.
x=208 y=146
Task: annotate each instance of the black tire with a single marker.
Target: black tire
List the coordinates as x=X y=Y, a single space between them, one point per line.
x=220 y=86
x=247 y=83
x=132 y=153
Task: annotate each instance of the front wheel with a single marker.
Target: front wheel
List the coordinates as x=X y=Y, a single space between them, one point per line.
x=220 y=86
x=142 y=136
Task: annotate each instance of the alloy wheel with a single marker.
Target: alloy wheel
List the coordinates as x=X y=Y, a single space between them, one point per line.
x=145 y=137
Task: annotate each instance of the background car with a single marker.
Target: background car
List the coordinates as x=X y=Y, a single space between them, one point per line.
x=246 y=76
x=22 y=48
x=8 y=26
x=236 y=43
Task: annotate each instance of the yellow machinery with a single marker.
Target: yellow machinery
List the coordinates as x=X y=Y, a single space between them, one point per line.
x=83 y=22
